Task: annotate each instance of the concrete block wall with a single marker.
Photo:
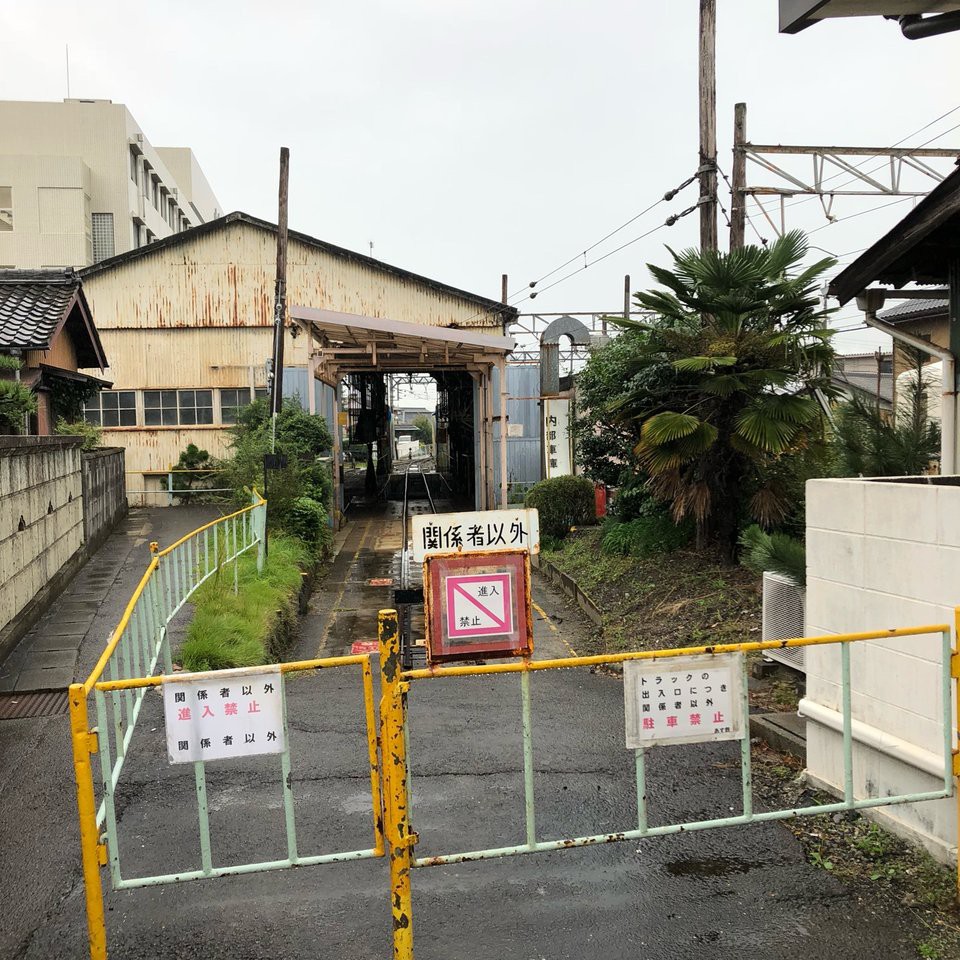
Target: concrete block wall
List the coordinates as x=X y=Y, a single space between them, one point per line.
x=104 y=493
x=41 y=515
x=880 y=554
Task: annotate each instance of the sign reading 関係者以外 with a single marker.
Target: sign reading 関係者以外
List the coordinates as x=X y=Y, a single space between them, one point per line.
x=683 y=699
x=480 y=531
x=224 y=713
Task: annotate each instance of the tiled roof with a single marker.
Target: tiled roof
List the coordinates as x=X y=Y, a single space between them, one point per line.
x=913 y=310
x=33 y=305
x=866 y=383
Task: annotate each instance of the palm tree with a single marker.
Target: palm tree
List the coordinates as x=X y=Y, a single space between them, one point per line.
x=868 y=444
x=725 y=384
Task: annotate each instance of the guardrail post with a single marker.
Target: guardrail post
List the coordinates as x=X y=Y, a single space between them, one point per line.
x=397 y=831
x=261 y=533
x=87 y=808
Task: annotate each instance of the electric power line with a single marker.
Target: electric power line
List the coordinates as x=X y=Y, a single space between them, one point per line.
x=669 y=195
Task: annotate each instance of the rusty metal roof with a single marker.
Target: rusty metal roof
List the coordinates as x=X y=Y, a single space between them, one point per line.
x=350 y=343
x=507 y=312
x=35 y=305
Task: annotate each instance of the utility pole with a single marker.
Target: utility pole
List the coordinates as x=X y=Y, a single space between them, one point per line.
x=280 y=298
x=738 y=195
x=708 y=125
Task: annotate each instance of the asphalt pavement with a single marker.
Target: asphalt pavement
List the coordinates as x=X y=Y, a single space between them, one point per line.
x=733 y=894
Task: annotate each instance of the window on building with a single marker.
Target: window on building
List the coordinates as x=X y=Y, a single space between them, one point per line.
x=196 y=406
x=160 y=408
x=6 y=209
x=146 y=180
x=134 y=164
x=171 y=408
x=136 y=235
x=102 y=227
x=232 y=401
x=112 y=408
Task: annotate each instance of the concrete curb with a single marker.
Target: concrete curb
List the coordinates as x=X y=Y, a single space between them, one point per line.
x=569 y=586
x=782 y=731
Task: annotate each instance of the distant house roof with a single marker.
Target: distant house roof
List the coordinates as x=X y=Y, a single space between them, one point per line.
x=866 y=383
x=918 y=249
x=36 y=305
x=914 y=310
x=211 y=226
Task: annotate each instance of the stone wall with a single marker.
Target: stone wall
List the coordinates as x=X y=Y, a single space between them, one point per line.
x=57 y=505
x=881 y=554
x=41 y=516
x=104 y=493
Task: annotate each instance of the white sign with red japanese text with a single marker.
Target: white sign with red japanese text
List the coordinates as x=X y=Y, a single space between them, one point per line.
x=683 y=700
x=479 y=606
x=224 y=713
x=481 y=531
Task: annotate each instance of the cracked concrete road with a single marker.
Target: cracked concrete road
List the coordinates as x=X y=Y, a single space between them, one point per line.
x=735 y=894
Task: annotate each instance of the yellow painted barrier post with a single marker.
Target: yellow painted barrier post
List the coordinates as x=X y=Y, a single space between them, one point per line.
x=397 y=831
x=84 y=744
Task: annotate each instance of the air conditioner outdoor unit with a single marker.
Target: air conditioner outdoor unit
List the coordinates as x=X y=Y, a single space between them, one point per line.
x=784 y=606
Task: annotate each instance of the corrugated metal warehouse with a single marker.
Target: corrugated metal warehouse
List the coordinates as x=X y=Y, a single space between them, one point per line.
x=187 y=325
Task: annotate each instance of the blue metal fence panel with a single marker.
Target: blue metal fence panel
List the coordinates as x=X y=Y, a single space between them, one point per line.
x=524 y=460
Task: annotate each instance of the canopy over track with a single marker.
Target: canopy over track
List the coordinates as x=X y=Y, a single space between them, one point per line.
x=343 y=343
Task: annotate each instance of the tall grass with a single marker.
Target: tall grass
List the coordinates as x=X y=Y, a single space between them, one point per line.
x=233 y=630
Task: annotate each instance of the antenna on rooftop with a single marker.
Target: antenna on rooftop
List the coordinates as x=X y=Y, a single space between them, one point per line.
x=68 y=70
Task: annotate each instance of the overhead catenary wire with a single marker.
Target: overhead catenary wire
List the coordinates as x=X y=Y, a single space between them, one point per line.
x=669 y=222
x=669 y=195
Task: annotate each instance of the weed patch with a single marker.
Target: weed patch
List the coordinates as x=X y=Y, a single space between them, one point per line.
x=234 y=630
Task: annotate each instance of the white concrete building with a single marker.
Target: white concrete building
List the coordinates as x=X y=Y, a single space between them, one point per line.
x=79 y=182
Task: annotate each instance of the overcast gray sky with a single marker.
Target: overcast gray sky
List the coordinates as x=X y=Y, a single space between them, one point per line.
x=468 y=139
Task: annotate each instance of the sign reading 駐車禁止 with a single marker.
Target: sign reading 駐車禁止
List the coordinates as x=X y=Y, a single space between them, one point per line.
x=683 y=699
x=477 y=532
x=224 y=713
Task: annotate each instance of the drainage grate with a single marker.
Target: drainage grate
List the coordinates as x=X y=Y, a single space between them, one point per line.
x=45 y=703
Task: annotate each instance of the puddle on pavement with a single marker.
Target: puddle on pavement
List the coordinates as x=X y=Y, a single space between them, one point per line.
x=710 y=867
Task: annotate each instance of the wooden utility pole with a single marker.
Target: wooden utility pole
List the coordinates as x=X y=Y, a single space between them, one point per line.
x=708 y=125
x=280 y=296
x=738 y=196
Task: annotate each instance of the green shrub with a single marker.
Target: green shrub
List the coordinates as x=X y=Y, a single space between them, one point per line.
x=307 y=520
x=776 y=552
x=16 y=401
x=91 y=433
x=634 y=499
x=645 y=536
x=562 y=503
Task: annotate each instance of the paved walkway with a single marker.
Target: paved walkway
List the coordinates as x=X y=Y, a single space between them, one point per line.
x=46 y=658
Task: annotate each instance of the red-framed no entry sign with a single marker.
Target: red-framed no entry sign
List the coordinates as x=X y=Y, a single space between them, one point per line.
x=478 y=606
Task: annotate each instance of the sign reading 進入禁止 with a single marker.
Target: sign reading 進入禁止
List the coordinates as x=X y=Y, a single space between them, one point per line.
x=479 y=606
x=683 y=699
x=224 y=713
x=480 y=531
